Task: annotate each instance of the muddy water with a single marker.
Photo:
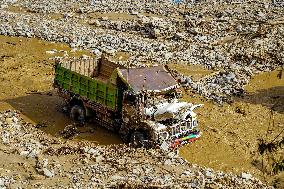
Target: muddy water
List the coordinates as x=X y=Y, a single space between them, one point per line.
x=229 y=139
x=266 y=89
x=26 y=77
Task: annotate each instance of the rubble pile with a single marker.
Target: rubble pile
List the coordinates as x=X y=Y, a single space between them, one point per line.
x=220 y=86
x=86 y=165
x=149 y=27
x=240 y=38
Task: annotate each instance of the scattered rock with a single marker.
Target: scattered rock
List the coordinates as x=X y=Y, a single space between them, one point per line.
x=107 y=165
x=47 y=172
x=246 y=176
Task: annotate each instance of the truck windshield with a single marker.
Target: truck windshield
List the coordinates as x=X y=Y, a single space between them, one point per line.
x=169 y=122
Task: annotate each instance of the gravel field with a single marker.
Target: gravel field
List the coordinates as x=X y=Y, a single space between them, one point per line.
x=53 y=163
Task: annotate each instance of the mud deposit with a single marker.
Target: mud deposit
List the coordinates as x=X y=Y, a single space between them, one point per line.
x=230 y=136
x=26 y=85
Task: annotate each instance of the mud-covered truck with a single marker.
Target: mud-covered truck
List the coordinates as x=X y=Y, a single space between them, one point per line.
x=141 y=104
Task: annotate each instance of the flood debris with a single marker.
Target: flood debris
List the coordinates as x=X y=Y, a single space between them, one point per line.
x=70 y=131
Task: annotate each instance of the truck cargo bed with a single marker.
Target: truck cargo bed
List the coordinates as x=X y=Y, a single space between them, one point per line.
x=76 y=78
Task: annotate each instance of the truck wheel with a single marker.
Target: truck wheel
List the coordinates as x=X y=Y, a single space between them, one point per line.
x=124 y=133
x=137 y=139
x=78 y=113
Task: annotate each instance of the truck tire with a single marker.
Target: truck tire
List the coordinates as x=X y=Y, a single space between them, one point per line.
x=78 y=113
x=137 y=139
x=124 y=133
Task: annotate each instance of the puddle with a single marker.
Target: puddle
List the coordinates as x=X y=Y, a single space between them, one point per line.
x=18 y=9
x=196 y=71
x=266 y=89
x=264 y=81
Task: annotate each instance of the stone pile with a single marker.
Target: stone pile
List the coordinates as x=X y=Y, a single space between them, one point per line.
x=220 y=86
x=149 y=27
x=240 y=38
x=86 y=165
x=162 y=7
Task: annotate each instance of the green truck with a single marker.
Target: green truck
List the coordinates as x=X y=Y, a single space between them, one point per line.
x=141 y=104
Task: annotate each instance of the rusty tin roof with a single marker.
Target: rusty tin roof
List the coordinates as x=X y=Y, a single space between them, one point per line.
x=155 y=78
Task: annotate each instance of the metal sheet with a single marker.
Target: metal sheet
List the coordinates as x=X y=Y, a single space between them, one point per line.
x=151 y=78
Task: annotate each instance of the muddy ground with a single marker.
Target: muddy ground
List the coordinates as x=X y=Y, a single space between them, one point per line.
x=26 y=85
x=230 y=132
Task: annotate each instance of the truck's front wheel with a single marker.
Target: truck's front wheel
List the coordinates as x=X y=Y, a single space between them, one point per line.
x=138 y=139
x=78 y=113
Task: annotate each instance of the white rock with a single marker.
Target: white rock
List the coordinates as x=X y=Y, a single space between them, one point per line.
x=208 y=174
x=3 y=6
x=117 y=177
x=97 y=52
x=92 y=151
x=33 y=153
x=99 y=158
x=67 y=15
x=24 y=153
x=2 y=182
x=134 y=12
x=47 y=172
x=50 y=52
x=168 y=162
x=15 y=119
x=246 y=176
x=168 y=55
x=180 y=35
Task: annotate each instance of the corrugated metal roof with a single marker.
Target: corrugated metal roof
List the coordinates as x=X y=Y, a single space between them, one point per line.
x=150 y=78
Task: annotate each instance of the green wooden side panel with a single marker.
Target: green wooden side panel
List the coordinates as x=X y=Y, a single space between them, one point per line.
x=90 y=88
x=119 y=98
